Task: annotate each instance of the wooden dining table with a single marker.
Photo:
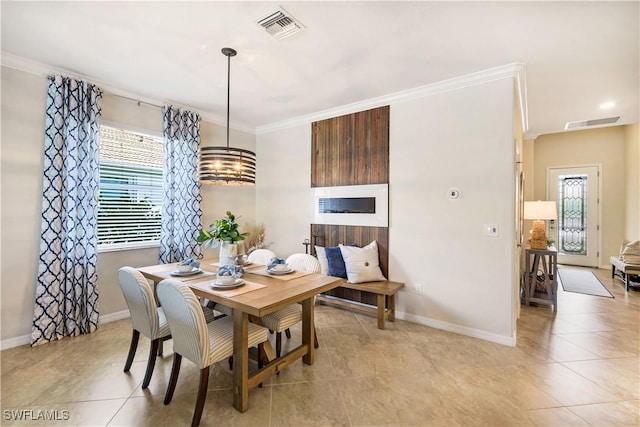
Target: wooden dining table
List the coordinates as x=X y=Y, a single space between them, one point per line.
x=261 y=294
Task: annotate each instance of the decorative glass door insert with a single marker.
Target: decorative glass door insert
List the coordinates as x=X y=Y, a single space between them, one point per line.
x=572 y=214
x=576 y=192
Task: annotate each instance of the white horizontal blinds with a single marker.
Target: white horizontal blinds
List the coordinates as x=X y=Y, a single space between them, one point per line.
x=130 y=207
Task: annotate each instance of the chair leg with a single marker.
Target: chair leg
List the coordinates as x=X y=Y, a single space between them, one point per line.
x=315 y=338
x=173 y=379
x=230 y=363
x=153 y=351
x=278 y=343
x=202 y=396
x=160 y=347
x=287 y=332
x=132 y=350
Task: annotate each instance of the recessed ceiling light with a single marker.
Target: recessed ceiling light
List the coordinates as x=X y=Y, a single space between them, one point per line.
x=607 y=105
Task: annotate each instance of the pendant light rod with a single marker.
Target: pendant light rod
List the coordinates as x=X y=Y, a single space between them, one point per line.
x=228 y=52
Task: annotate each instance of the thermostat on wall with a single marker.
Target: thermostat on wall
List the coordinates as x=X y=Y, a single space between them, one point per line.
x=453 y=193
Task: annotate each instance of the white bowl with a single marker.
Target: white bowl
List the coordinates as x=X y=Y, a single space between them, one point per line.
x=280 y=267
x=184 y=268
x=226 y=280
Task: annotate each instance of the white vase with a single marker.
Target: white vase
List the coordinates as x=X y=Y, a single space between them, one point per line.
x=228 y=250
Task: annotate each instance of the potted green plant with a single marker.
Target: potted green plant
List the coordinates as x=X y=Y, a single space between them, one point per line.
x=223 y=232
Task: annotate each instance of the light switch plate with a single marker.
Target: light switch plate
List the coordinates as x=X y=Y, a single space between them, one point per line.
x=491 y=230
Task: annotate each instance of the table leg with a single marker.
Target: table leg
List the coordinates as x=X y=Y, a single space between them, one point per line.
x=240 y=360
x=553 y=271
x=534 y=276
x=308 y=331
x=527 y=278
x=267 y=348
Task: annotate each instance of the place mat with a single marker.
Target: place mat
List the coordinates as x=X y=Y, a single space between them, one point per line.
x=229 y=293
x=245 y=267
x=296 y=274
x=199 y=275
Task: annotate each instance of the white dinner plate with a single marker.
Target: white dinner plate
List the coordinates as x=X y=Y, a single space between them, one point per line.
x=216 y=285
x=280 y=272
x=185 y=273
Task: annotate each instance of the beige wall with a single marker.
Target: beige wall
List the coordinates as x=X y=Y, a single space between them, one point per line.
x=604 y=147
x=438 y=243
x=283 y=192
x=23 y=106
x=23 y=101
x=466 y=278
x=632 y=181
x=528 y=168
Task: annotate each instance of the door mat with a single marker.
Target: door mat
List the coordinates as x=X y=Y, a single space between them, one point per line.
x=582 y=282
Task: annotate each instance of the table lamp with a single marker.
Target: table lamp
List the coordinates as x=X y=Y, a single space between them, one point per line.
x=539 y=211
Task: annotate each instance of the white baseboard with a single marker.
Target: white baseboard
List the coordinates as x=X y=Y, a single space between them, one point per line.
x=108 y=318
x=462 y=330
x=26 y=339
x=15 y=342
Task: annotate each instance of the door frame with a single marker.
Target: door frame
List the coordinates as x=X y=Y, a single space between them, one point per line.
x=599 y=199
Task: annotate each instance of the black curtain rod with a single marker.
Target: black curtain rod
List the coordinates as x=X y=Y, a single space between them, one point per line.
x=50 y=77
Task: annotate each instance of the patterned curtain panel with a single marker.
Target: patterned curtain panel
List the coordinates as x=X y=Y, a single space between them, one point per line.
x=181 y=213
x=66 y=294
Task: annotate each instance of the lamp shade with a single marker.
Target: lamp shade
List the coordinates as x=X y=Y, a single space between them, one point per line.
x=227 y=165
x=540 y=210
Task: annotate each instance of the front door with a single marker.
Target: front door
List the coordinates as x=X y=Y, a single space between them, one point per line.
x=576 y=191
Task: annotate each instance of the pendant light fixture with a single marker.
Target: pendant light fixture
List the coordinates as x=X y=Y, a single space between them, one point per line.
x=227 y=165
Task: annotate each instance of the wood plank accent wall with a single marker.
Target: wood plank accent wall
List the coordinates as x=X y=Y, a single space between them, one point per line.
x=332 y=235
x=351 y=149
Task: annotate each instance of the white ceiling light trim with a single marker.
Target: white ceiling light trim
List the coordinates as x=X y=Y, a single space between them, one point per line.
x=514 y=70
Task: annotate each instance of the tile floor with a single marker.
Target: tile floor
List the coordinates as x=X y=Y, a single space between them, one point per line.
x=579 y=367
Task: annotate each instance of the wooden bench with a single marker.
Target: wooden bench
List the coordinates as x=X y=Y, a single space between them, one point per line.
x=624 y=270
x=385 y=292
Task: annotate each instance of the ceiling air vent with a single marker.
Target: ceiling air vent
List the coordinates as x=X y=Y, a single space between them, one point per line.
x=281 y=24
x=588 y=123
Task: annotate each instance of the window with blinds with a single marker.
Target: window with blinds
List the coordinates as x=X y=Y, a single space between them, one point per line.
x=130 y=204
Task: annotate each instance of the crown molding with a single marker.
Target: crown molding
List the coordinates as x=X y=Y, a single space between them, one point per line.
x=514 y=70
x=41 y=69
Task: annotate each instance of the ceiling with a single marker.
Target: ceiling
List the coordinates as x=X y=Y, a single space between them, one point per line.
x=577 y=54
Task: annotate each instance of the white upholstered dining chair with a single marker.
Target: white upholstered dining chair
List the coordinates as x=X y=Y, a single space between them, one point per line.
x=201 y=343
x=261 y=256
x=146 y=318
x=283 y=319
x=304 y=262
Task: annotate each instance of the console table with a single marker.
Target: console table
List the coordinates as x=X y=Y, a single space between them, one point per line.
x=545 y=260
